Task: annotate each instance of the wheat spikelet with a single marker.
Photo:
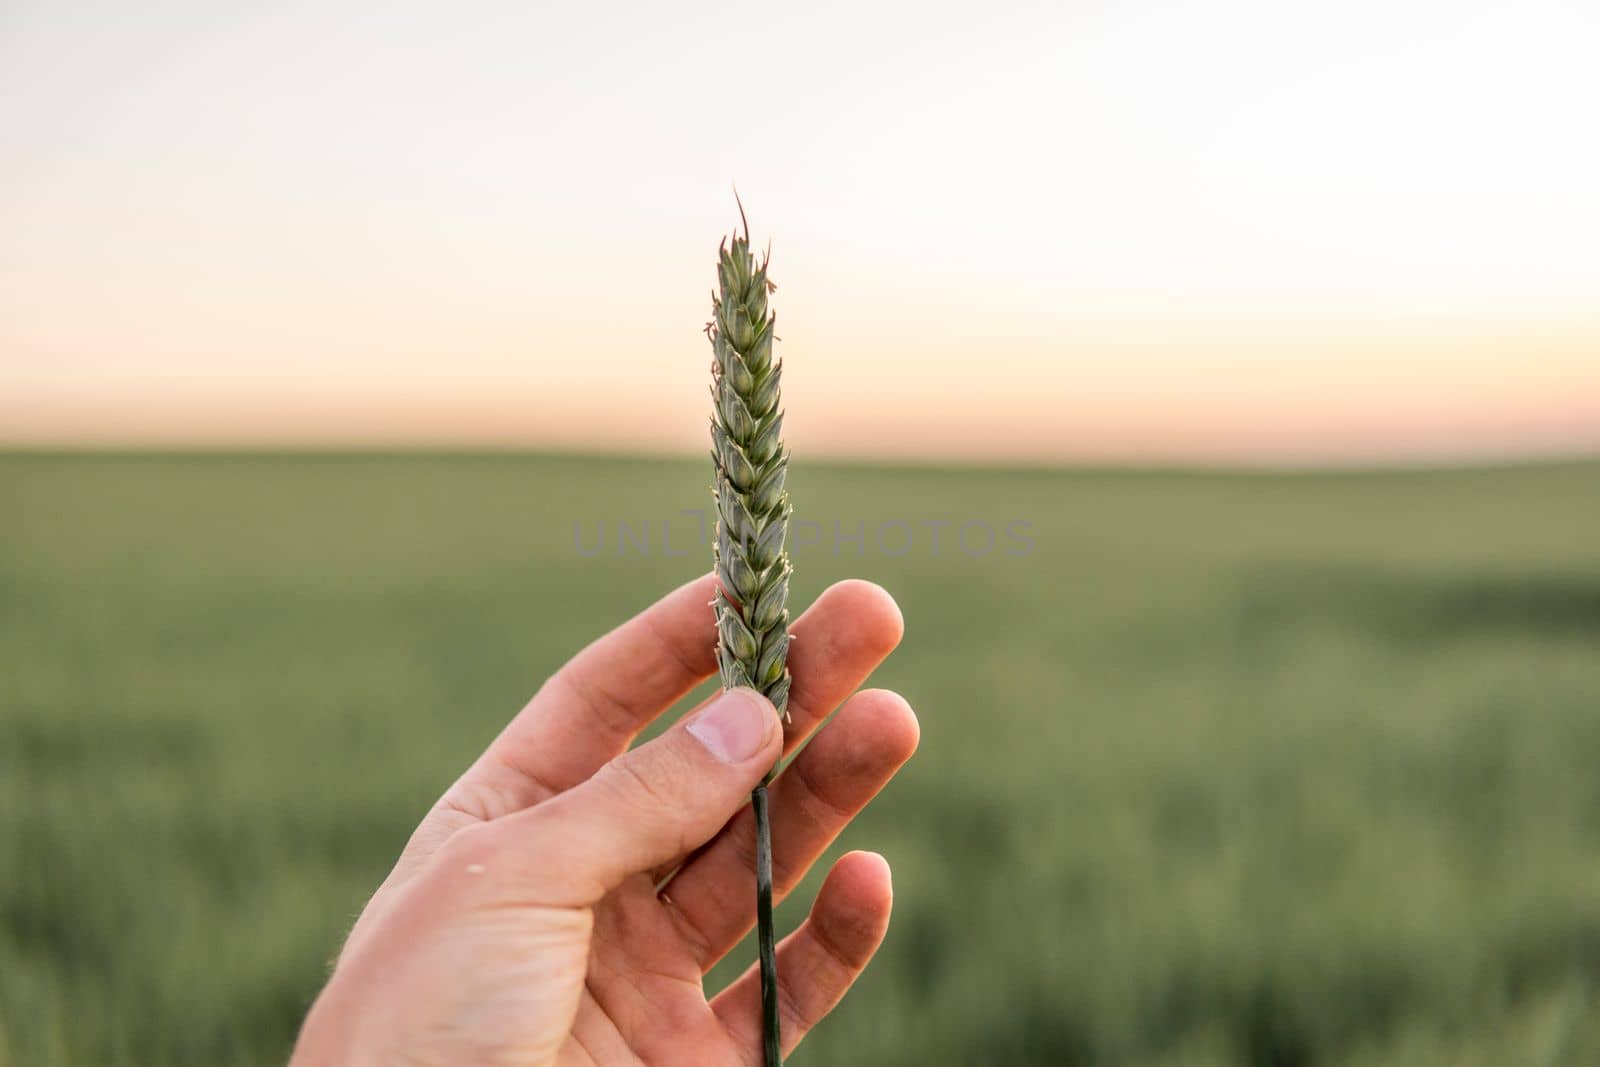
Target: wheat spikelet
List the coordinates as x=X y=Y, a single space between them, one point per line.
x=752 y=520
x=751 y=463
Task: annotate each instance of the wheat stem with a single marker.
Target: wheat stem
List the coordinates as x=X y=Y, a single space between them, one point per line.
x=772 y=1051
x=752 y=521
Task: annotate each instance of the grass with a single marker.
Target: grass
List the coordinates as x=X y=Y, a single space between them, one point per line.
x=1231 y=769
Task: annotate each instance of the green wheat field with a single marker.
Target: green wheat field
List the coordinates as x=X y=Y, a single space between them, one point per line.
x=1265 y=769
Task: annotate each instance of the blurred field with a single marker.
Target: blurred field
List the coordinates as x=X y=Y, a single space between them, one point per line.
x=1232 y=769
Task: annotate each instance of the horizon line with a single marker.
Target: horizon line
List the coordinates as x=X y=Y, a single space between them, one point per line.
x=1486 y=461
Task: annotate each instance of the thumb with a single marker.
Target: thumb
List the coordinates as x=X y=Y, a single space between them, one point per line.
x=645 y=808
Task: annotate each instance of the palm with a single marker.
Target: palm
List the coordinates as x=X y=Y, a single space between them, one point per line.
x=622 y=982
x=643 y=999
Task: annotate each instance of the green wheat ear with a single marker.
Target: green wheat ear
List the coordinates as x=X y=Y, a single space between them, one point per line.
x=752 y=519
x=751 y=463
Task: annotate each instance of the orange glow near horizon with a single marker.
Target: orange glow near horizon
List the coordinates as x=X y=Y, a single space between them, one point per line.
x=1345 y=401
x=1125 y=233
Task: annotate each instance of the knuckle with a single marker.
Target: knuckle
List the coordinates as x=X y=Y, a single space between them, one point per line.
x=795 y=1014
x=639 y=794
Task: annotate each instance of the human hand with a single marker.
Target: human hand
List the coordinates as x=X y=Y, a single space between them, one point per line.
x=523 y=923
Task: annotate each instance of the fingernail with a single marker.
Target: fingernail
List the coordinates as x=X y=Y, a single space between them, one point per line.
x=733 y=727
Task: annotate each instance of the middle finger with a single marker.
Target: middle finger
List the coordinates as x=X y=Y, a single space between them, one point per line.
x=852 y=758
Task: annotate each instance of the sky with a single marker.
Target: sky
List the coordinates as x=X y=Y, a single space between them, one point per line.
x=1237 y=231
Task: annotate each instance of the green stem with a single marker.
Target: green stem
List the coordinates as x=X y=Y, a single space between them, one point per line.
x=771 y=1044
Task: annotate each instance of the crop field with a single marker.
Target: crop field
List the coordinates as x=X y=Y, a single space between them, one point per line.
x=1216 y=768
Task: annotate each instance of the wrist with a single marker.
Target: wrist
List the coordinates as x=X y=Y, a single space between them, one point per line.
x=323 y=1041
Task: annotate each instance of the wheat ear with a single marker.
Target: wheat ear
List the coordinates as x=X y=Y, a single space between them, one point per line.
x=752 y=518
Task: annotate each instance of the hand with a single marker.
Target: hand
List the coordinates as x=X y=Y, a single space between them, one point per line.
x=527 y=921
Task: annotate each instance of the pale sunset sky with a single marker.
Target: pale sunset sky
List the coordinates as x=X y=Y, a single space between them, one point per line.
x=1237 y=231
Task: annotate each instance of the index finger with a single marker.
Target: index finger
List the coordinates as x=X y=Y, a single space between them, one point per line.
x=590 y=710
